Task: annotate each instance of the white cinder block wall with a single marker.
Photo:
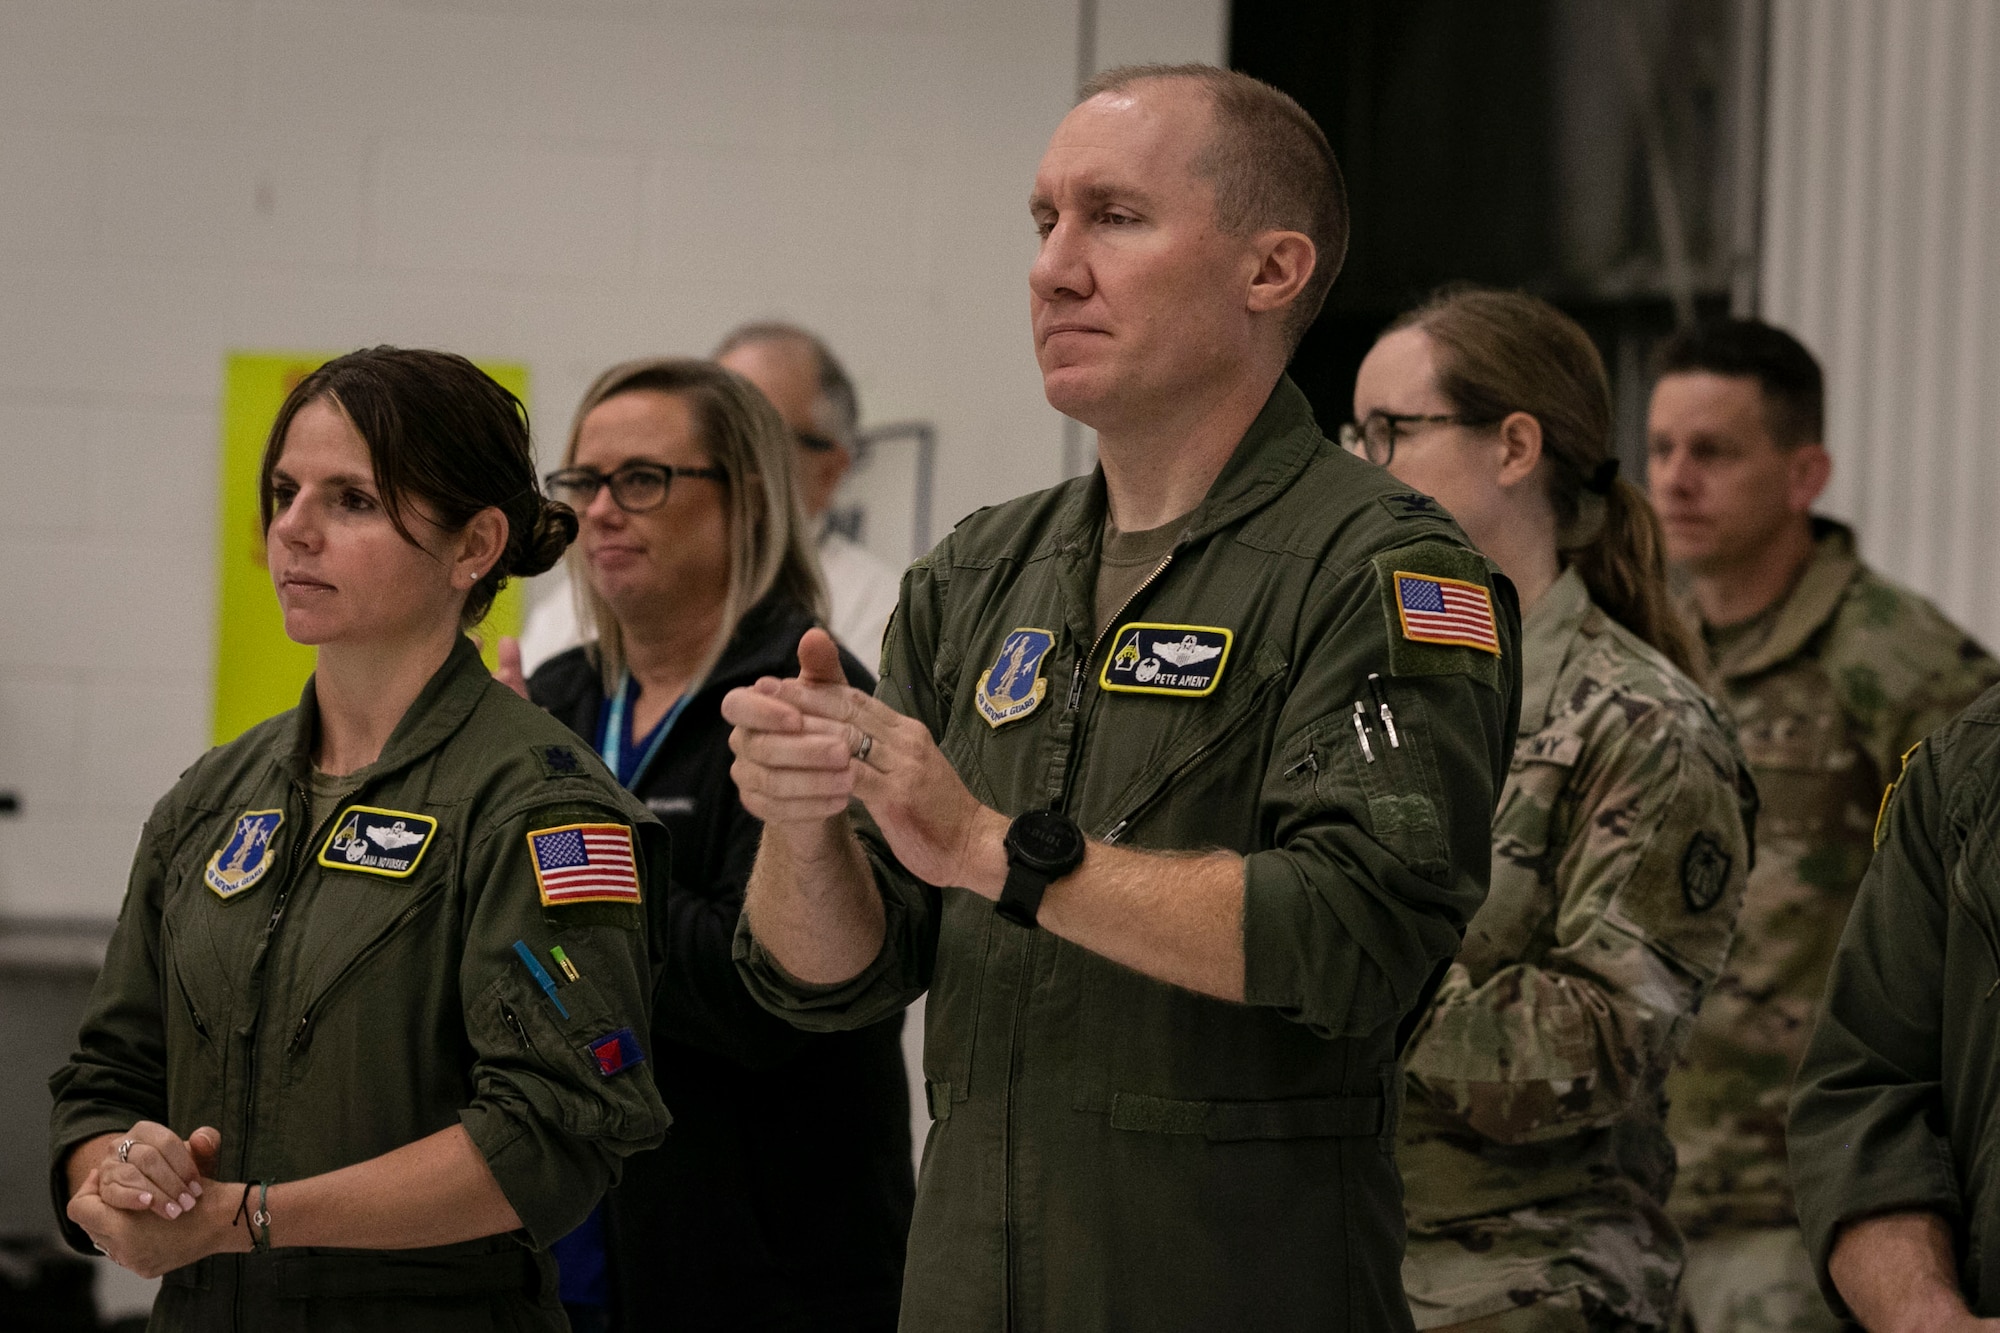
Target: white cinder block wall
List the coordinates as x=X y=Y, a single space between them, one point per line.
x=560 y=182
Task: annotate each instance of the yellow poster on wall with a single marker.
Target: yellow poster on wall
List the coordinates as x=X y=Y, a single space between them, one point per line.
x=258 y=671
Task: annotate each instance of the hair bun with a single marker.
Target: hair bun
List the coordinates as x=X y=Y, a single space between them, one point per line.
x=554 y=530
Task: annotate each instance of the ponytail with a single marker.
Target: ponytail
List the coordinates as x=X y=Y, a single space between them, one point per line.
x=1623 y=564
x=1501 y=352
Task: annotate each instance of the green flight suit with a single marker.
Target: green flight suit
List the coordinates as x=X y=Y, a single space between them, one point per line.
x=1535 y=1158
x=358 y=989
x=1109 y=1151
x=1897 y=1104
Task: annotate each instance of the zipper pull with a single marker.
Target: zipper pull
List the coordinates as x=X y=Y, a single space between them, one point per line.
x=1310 y=762
x=1076 y=683
x=1382 y=709
x=299 y=1033
x=1361 y=730
x=1117 y=831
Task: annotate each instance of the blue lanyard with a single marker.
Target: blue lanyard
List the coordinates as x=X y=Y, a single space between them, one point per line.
x=613 y=746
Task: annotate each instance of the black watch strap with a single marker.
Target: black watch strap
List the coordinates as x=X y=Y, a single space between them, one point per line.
x=1021 y=896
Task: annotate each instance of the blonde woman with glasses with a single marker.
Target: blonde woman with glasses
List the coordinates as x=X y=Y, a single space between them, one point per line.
x=782 y=1195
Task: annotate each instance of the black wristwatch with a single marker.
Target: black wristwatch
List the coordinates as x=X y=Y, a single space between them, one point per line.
x=1042 y=847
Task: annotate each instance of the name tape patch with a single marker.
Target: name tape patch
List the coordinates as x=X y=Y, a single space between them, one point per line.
x=378 y=842
x=1181 y=660
x=245 y=856
x=584 y=863
x=1435 y=609
x=1013 y=687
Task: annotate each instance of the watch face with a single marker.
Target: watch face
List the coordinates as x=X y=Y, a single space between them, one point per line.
x=1046 y=840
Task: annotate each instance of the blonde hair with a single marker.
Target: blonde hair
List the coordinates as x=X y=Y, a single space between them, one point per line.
x=1500 y=352
x=770 y=548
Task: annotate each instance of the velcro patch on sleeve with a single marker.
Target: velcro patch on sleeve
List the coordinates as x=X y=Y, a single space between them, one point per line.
x=1438 y=612
x=584 y=863
x=616 y=1052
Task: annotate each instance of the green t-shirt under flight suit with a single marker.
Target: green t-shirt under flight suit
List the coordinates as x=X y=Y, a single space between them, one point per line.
x=1113 y=1152
x=325 y=995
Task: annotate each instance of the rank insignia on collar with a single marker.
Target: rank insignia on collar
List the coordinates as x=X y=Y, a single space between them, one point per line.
x=1181 y=660
x=243 y=859
x=1014 y=687
x=378 y=842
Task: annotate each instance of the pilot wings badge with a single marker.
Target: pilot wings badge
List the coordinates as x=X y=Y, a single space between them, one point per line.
x=1183 y=660
x=244 y=859
x=378 y=842
x=1014 y=687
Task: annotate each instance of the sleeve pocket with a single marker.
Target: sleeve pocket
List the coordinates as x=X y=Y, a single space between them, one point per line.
x=547 y=1058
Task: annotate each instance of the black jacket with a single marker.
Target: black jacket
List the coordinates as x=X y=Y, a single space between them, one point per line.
x=781 y=1198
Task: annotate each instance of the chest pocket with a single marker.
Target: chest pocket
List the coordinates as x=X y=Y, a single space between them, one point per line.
x=1811 y=781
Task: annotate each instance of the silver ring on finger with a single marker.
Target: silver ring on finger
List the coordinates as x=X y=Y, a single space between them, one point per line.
x=125 y=1150
x=861 y=750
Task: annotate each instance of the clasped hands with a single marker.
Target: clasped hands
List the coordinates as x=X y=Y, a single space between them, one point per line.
x=807 y=746
x=157 y=1206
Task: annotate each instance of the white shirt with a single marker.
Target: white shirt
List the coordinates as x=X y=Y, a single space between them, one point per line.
x=862 y=586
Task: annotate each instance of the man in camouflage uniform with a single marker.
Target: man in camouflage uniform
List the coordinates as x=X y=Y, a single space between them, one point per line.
x=1832 y=673
x=1536 y=1165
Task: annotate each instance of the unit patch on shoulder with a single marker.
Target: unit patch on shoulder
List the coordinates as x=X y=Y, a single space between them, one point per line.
x=1704 y=872
x=584 y=863
x=378 y=842
x=1183 y=660
x=1013 y=687
x=246 y=856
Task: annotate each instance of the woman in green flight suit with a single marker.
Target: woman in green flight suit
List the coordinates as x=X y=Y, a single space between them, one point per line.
x=1534 y=1155
x=371 y=1030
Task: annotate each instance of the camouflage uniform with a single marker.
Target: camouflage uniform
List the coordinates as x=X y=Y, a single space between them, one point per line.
x=1535 y=1162
x=1828 y=690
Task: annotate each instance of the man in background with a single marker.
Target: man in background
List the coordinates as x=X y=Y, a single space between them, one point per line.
x=1832 y=673
x=812 y=391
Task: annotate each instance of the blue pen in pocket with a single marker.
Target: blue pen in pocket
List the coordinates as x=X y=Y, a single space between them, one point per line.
x=541 y=975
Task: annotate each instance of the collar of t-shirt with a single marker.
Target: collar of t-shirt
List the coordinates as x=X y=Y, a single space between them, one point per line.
x=1127 y=560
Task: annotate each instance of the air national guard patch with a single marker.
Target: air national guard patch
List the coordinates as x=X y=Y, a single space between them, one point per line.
x=1435 y=609
x=585 y=863
x=1014 y=687
x=378 y=842
x=243 y=860
x=1181 y=660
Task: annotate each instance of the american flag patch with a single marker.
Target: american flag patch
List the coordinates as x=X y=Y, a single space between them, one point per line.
x=1441 y=610
x=584 y=863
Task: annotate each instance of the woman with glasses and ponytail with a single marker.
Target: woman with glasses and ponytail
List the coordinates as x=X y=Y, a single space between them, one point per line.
x=1532 y=1145
x=781 y=1198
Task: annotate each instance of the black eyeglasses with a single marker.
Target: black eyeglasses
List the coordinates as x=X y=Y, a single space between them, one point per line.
x=635 y=488
x=1374 y=438
x=815 y=444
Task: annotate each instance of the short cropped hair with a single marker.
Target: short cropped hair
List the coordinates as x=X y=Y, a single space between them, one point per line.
x=1794 y=388
x=839 y=404
x=1271 y=166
